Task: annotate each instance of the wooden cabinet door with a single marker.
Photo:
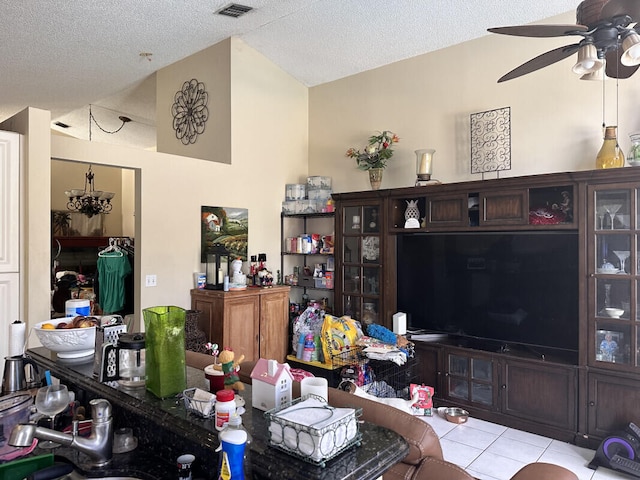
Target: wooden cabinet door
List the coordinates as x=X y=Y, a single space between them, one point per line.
x=613 y=403
x=208 y=307
x=241 y=326
x=507 y=207
x=429 y=362
x=274 y=325
x=545 y=394
x=448 y=211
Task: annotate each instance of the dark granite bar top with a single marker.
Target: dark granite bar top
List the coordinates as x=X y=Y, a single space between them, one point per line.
x=166 y=429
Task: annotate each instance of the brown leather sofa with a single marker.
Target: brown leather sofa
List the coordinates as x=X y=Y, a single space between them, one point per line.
x=424 y=460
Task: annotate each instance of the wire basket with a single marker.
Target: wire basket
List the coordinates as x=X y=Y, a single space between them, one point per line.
x=202 y=408
x=333 y=430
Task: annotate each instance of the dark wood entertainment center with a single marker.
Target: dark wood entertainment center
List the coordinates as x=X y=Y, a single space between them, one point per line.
x=580 y=400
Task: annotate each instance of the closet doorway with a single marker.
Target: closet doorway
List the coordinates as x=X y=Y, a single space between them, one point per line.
x=76 y=239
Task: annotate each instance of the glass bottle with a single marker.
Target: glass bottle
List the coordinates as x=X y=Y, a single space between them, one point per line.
x=610 y=155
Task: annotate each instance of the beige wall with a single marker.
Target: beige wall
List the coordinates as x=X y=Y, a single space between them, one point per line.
x=269 y=150
x=276 y=123
x=555 y=117
x=211 y=67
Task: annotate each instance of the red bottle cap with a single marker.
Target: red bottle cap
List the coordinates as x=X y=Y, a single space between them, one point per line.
x=225 y=395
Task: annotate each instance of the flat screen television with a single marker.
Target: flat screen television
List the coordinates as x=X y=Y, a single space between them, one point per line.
x=510 y=288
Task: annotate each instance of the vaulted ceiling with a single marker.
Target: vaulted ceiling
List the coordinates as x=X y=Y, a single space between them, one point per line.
x=64 y=55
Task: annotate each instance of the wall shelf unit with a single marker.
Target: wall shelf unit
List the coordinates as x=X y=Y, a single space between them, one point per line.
x=307 y=256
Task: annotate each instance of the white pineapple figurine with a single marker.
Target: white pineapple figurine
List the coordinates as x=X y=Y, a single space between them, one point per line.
x=412 y=215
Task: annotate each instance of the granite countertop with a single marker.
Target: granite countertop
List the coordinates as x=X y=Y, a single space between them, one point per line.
x=166 y=429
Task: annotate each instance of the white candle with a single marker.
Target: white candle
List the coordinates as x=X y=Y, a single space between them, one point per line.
x=220 y=276
x=423 y=164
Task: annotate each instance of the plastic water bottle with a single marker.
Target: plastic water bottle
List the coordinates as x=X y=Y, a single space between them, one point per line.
x=309 y=347
x=233 y=447
x=300 y=348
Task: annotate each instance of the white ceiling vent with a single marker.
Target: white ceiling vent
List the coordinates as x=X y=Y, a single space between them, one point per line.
x=234 y=10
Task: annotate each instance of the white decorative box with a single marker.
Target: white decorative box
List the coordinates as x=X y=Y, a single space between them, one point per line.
x=312 y=430
x=318 y=182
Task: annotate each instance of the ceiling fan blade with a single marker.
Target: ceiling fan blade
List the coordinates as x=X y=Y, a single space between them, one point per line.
x=614 y=68
x=540 y=31
x=541 y=61
x=621 y=7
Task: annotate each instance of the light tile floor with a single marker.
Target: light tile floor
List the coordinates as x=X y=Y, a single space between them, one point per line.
x=493 y=452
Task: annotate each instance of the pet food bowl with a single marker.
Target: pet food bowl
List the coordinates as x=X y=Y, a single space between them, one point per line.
x=456 y=415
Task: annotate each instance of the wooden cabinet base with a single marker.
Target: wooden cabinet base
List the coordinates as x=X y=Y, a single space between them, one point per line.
x=253 y=322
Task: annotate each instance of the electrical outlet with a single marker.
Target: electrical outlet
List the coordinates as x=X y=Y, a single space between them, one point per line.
x=151 y=281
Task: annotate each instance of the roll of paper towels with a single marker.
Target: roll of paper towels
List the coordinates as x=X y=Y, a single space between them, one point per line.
x=17 y=339
x=400 y=323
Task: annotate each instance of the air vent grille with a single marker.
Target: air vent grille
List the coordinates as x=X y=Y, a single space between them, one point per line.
x=61 y=125
x=234 y=10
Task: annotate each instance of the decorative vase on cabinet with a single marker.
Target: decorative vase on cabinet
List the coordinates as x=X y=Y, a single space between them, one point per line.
x=375 y=177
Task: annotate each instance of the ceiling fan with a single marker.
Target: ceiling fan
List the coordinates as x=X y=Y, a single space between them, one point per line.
x=609 y=38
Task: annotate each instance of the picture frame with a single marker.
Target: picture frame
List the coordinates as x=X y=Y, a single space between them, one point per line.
x=226 y=226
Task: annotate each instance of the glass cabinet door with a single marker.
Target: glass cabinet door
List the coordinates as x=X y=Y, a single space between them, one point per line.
x=361 y=262
x=470 y=378
x=615 y=276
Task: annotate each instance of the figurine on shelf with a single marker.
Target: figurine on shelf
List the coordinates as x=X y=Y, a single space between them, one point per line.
x=230 y=366
x=238 y=278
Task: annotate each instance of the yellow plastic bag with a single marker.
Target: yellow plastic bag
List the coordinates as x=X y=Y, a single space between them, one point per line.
x=338 y=333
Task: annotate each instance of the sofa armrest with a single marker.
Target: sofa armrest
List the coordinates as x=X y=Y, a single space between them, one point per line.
x=422 y=440
x=431 y=468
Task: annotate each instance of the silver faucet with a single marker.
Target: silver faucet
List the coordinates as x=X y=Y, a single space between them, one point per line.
x=97 y=446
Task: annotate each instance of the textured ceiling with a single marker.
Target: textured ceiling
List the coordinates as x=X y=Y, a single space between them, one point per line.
x=62 y=55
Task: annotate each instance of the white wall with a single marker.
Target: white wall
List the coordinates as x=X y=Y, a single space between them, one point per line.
x=556 y=118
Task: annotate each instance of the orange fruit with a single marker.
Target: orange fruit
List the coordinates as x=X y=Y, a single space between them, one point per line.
x=48 y=326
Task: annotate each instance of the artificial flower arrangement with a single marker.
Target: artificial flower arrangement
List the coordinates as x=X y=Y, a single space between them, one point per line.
x=376 y=153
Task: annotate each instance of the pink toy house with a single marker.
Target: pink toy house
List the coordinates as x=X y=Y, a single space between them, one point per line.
x=270 y=384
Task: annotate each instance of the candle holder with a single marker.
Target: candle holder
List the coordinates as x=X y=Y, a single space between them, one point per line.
x=217 y=267
x=424 y=161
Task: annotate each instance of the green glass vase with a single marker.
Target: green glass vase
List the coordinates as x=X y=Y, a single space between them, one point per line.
x=165 y=350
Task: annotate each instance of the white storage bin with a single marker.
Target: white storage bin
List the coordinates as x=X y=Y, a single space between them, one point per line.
x=318 y=183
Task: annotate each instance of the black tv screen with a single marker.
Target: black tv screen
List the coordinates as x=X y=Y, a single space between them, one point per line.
x=512 y=287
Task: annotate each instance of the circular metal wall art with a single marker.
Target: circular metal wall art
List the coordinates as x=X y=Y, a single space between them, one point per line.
x=190 y=111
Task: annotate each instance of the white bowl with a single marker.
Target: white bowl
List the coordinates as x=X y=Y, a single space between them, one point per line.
x=67 y=342
x=614 y=312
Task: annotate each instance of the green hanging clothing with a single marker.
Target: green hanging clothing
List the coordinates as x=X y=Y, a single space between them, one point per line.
x=113 y=268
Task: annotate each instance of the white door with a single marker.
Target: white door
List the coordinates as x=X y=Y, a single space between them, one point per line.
x=9 y=236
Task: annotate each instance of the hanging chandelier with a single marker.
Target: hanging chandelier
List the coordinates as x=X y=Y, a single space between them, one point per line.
x=89 y=201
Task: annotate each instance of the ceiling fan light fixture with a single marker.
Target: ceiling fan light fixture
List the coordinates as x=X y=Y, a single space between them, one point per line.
x=631 y=49
x=588 y=61
x=597 y=75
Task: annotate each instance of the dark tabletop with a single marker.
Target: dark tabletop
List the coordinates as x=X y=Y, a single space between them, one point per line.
x=166 y=429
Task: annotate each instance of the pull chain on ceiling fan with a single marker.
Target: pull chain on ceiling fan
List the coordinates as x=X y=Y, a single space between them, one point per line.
x=609 y=34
